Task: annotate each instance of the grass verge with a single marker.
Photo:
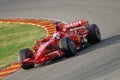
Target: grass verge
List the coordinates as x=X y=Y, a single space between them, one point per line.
x=14 y=37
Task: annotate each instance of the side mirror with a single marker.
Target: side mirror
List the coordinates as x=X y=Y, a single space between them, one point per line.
x=36 y=42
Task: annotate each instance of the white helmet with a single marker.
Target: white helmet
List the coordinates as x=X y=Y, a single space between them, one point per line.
x=57 y=35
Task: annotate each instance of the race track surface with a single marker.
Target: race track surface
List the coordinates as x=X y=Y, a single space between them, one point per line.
x=98 y=62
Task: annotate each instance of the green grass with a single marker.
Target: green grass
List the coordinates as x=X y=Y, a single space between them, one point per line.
x=14 y=37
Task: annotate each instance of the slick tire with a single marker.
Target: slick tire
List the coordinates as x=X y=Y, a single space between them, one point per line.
x=23 y=54
x=94 y=35
x=68 y=47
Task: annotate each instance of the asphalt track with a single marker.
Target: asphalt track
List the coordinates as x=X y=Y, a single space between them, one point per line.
x=98 y=62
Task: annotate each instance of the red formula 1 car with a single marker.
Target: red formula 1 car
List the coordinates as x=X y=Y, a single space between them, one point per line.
x=64 y=42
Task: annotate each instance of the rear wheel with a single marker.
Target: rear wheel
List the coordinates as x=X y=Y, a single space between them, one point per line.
x=23 y=54
x=94 y=35
x=67 y=46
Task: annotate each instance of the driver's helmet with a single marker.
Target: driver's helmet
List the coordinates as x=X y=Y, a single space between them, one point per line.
x=57 y=35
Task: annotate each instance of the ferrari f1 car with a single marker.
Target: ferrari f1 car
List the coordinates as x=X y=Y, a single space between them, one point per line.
x=67 y=39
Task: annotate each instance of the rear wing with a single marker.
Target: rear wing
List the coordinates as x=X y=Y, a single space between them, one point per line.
x=76 y=24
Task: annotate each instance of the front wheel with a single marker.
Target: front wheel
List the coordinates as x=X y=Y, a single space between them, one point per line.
x=23 y=54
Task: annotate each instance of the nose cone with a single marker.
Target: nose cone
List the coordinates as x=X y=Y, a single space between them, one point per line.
x=42 y=50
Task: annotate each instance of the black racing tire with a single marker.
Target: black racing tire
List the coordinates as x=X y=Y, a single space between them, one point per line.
x=27 y=65
x=23 y=54
x=68 y=47
x=94 y=35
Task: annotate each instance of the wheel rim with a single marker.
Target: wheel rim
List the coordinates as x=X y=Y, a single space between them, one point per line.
x=72 y=46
